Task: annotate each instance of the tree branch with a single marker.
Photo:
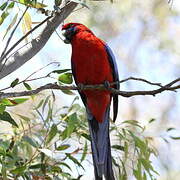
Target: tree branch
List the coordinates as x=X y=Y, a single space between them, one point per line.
x=168 y=87
x=26 y=53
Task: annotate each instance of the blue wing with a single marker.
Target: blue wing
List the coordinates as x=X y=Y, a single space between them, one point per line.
x=83 y=97
x=113 y=64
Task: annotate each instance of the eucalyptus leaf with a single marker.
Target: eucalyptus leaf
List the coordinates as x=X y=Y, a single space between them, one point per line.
x=66 y=78
x=27 y=86
x=62 y=147
x=3 y=6
x=15 y=82
x=5 y=116
x=52 y=133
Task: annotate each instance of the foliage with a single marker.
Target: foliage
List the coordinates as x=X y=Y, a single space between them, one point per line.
x=42 y=145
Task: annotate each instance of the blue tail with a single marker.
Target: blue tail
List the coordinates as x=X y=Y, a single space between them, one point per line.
x=101 y=148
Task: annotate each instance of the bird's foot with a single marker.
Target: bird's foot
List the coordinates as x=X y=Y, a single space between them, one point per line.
x=80 y=86
x=107 y=85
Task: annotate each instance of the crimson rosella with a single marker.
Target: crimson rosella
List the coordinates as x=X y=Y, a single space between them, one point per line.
x=93 y=63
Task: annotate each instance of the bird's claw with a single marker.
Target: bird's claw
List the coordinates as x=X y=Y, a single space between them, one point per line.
x=80 y=86
x=107 y=85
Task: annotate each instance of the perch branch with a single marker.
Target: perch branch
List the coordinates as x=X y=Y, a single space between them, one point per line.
x=168 y=87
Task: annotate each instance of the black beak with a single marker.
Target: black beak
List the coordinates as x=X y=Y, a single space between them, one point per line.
x=68 y=34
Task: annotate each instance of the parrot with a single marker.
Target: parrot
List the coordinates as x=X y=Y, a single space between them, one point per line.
x=92 y=63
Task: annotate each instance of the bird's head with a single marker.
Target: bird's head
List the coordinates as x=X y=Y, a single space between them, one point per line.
x=71 y=29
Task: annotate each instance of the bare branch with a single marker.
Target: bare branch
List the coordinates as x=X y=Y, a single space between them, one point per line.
x=140 y=79
x=25 y=54
x=168 y=87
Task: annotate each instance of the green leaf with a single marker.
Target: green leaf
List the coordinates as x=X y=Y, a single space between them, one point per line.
x=66 y=78
x=52 y=133
x=152 y=120
x=115 y=163
x=84 y=152
x=36 y=166
x=61 y=71
x=62 y=147
x=86 y=136
x=13 y=102
x=57 y=2
x=147 y=165
x=27 y=86
x=144 y=176
x=37 y=5
x=33 y=4
x=137 y=174
x=170 y=129
x=118 y=147
x=19 y=170
x=6 y=12
x=139 y=143
x=4 y=172
x=64 y=164
x=175 y=138
x=126 y=149
x=25 y=118
x=3 y=6
x=23 y=1
x=65 y=174
x=19 y=100
x=134 y=123
x=11 y=5
x=74 y=160
x=2 y=108
x=45 y=102
x=15 y=82
x=71 y=124
x=39 y=105
x=31 y=141
x=56 y=169
x=5 y=116
x=6 y=102
x=50 y=112
x=3 y=17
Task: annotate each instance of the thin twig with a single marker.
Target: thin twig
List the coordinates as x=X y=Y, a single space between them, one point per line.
x=40 y=69
x=140 y=79
x=58 y=35
x=33 y=79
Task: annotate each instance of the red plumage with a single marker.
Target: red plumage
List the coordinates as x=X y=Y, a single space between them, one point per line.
x=92 y=66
